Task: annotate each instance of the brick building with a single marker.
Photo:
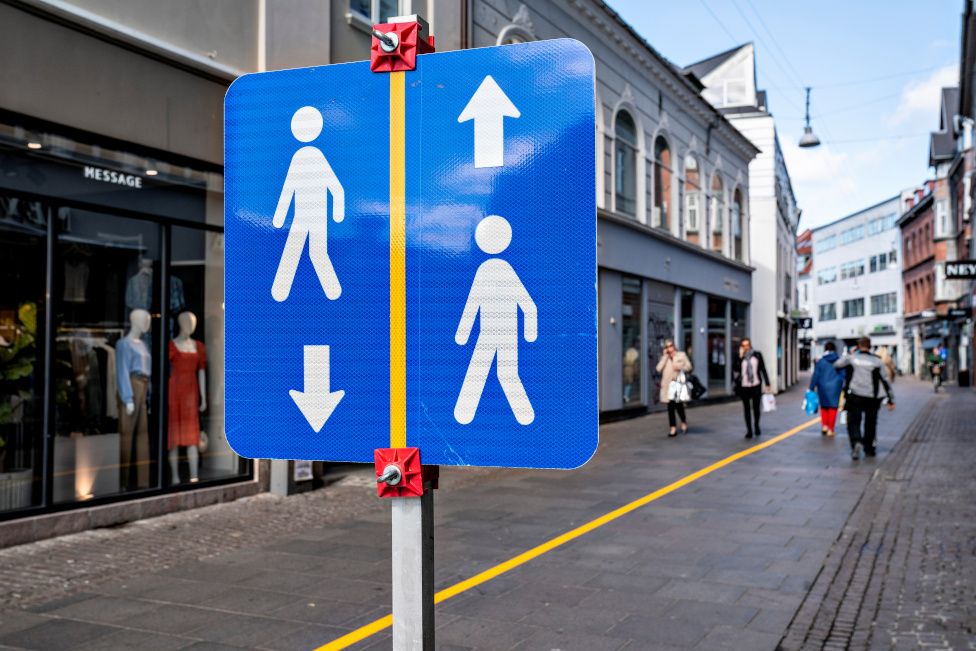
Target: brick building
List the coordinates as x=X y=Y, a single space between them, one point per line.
x=921 y=329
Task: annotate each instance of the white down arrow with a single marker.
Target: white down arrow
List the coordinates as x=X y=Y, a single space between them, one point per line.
x=317 y=402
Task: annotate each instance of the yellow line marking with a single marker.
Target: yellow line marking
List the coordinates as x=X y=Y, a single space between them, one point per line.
x=489 y=574
x=398 y=262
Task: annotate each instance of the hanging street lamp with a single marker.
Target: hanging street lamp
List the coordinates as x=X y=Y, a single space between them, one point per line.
x=809 y=138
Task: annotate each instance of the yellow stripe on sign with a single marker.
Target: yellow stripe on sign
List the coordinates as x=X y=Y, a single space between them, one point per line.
x=398 y=262
x=385 y=622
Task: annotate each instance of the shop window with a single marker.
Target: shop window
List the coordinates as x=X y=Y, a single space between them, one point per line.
x=660 y=327
x=106 y=356
x=688 y=323
x=738 y=324
x=631 y=340
x=716 y=342
x=196 y=444
x=625 y=165
x=692 y=199
x=23 y=240
x=662 y=184
x=717 y=213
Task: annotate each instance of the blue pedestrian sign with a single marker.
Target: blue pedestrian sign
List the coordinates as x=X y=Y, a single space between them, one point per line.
x=411 y=259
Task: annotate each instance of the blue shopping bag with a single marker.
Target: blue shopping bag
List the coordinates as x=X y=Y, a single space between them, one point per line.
x=811 y=403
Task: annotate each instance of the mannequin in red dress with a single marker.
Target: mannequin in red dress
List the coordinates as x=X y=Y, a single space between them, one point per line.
x=187 y=397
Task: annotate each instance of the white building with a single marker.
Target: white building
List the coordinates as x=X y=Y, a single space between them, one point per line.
x=857 y=276
x=730 y=85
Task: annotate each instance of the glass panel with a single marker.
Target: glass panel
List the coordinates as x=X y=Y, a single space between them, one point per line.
x=660 y=327
x=196 y=443
x=388 y=9
x=23 y=240
x=662 y=184
x=631 y=340
x=361 y=7
x=716 y=342
x=688 y=323
x=626 y=179
x=737 y=329
x=107 y=279
x=717 y=213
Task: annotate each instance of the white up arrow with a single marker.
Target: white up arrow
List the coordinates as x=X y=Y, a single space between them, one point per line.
x=316 y=402
x=488 y=107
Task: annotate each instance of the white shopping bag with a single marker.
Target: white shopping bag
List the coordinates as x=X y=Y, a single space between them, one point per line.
x=768 y=402
x=843 y=417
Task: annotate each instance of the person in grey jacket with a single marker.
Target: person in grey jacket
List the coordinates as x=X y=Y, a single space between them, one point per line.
x=865 y=380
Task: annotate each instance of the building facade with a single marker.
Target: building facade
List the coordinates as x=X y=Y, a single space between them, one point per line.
x=730 y=85
x=922 y=328
x=857 y=279
x=805 y=298
x=673 y=203
x=111 y=203
x=964 y=191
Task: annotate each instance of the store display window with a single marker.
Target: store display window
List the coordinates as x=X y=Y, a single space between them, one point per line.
x=111 y=324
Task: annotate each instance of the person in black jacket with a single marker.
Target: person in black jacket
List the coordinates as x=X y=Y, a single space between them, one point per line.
x=750 y=377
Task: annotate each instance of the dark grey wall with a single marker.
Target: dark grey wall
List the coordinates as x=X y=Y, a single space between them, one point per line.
x=62 y=75
x=224 y=31
x=630 y=250
x=299 y=33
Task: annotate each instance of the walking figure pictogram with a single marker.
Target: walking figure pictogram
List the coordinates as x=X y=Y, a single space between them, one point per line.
x=497 y=293
x=309 y=181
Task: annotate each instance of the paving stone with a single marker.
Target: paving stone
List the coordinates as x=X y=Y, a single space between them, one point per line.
x=56 y=634
x=267 y=558
x=659 y=630
x=141 y=640
x=570 y=642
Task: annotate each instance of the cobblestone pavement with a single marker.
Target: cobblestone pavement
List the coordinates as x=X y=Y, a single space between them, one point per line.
x=903 y=573
x=721 y=563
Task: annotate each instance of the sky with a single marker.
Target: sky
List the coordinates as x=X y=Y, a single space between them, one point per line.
x=876 y=68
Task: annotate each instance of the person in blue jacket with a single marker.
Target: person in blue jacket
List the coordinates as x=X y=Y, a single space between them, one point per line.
x=828 y=382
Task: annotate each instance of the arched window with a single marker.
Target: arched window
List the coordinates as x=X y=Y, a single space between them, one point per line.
x=693 y=206
x=737 y=217
x=661 y=216
x=625 y=164
x=716 y=210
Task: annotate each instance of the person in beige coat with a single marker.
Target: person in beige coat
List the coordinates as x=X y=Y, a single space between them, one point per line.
x=672 y=363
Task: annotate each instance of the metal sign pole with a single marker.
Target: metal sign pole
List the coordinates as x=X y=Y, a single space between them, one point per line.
x=413 y=572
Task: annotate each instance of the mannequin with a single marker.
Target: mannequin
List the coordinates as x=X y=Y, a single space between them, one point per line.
x=133 y=365
x=187 y=396
x=138 y=290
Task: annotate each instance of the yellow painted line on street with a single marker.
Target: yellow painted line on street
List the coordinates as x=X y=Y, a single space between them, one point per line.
x=385 y=622
x=398 y=262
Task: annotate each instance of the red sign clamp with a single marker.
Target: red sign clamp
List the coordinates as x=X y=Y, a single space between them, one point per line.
x=396 y=44
x=399 y=473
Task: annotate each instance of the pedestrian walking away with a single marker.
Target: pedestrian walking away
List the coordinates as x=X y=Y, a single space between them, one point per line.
x=673 y=366
x=865 y=378
x=750 y=378
x=828 y=382
x=936 y=367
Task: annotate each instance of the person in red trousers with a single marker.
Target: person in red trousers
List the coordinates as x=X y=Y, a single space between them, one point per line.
x=828 y=382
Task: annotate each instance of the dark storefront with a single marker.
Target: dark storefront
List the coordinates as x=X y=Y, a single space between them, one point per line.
x=98 y=242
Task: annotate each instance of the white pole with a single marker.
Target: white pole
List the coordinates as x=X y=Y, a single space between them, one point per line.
x=413 y=572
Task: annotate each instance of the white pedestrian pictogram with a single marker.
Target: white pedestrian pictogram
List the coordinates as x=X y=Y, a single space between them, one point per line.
x=309 y=181
x=497 y=293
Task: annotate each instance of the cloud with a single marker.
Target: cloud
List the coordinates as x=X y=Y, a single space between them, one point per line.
x=920 y=99
x=817 y=166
